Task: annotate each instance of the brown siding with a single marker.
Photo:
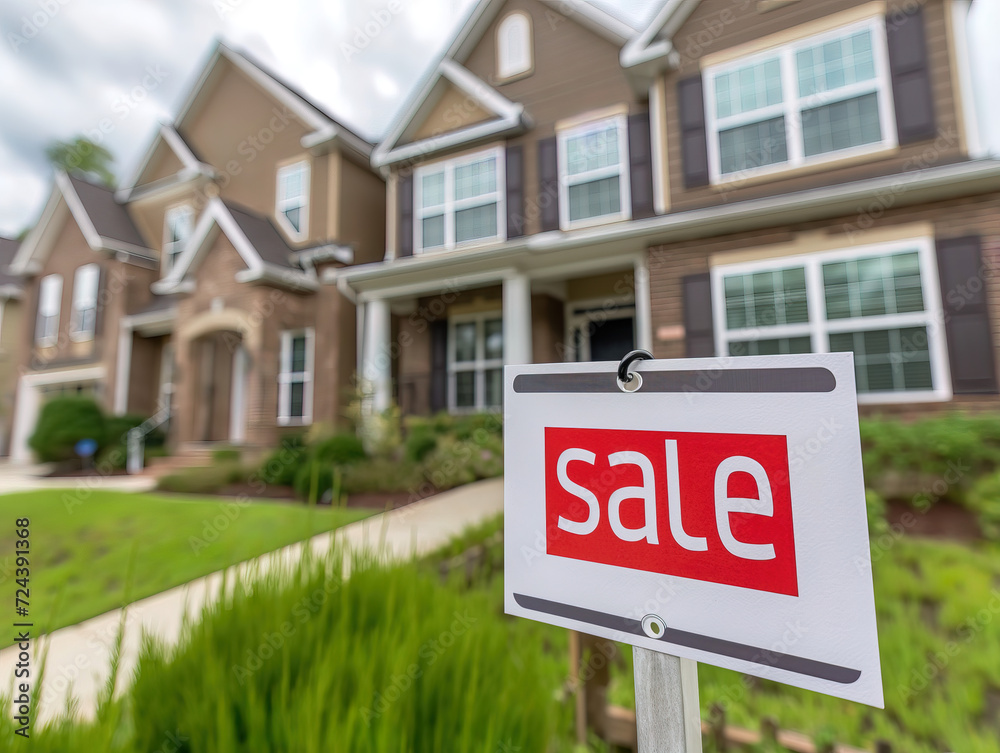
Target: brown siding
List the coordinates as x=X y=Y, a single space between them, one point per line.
x=362 y=212
x=717 y=25
x=245 y=134
x=575 y=72
x=548 y=329
x=455 y=110
x=164 y=164
x=669 y=264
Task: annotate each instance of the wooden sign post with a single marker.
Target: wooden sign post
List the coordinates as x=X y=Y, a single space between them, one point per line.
x=667 y=712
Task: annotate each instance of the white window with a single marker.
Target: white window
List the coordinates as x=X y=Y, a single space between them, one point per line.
x=475 y=362
x=514 y=53
x=49 y=305
x=83 y=321
x=295 y=381
x=818 y=99
x=881 y=302
x=593 y=173
x=177 y=228
x=460 y=202
x=292 y=209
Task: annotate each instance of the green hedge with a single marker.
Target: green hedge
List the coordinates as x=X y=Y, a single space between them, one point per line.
x=62 y=423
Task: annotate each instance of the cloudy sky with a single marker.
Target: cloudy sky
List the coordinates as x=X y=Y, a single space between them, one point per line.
x=69 y=67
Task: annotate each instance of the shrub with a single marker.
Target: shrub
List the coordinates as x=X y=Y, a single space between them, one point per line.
x=280 y=467
x=877 y=522
x=341 y=449
x=984 y=501
x=227 y=455
x=62 y=423
x=322 y=478
x=903 y=460
x=383 y=475
x=420 y=442
x=210 y=480
x=451 y=464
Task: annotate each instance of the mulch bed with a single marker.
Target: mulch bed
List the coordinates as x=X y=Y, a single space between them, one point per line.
x=944 y=520
x=368 y=501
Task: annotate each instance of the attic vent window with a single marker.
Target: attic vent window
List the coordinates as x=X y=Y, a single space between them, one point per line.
x=514 y=46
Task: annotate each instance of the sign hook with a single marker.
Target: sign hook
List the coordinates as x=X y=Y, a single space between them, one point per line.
x=624 y=375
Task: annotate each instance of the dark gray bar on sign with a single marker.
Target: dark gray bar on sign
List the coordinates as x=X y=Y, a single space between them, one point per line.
x=805 y=379
x=764 y=657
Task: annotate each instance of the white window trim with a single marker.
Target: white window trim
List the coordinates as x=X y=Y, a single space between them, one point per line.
x=286 y=378
x=75 y=333
x=529 y=64
x=792 y=105
x=451 y=206
x=479 y=367
x=819 y=329
x=622 y=171
x=281 y=203
x=168 y=247
x=48 y=340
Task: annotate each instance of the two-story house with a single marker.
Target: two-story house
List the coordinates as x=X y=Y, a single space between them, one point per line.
x=741 y=177
x=194 y=292
x=11 y=310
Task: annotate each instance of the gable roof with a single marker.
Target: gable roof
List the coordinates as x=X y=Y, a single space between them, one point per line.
x=263 y=249
x=325 y=128
x=192 y=166
x=653 y=46
x=10 y=285
x=510 y=116
x=104 y=222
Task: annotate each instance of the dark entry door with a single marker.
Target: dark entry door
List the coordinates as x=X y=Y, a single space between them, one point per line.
x=612 y=340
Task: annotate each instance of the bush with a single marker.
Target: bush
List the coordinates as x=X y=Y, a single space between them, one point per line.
x=383 y=475
x=62 y=423
x=420 y=442
x=342 y=449
x=903 y=459
x=984 y=501
x=227 y=455
x=209 y=480
x=877 y=522
x=280 y=467
x=324 y=477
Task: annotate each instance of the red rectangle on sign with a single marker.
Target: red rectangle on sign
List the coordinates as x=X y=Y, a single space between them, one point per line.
x=710 y=507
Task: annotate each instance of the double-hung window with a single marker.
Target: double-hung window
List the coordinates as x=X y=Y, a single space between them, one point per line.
x=295 y=380
x=821 y=98
x=475 y=362
x=460 y=202
x=178 y=226
x=292 y=205
x=881 y=302
x=49 y=305
x=593 y=173
x=83 y=322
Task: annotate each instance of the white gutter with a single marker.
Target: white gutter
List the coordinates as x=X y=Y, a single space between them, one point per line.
x=813 y=204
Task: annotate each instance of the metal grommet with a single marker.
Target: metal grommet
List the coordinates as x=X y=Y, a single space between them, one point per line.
x=653 y=626
x=631 y=381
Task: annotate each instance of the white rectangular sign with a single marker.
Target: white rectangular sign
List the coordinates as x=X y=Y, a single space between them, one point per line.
x=717 y=513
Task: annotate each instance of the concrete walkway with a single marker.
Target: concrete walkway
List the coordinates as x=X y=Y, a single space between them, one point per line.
x=29 y=478
x=79 y=656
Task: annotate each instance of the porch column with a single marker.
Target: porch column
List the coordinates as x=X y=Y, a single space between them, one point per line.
x=123 y=368
x=376 y=367
x=643 y=306
x=517 y=320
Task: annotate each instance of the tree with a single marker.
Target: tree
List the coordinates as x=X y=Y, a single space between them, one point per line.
x=81 y=156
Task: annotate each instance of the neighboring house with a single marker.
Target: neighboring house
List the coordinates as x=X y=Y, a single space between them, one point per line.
x=11 y=317
x=739 y=178
x=195 y=292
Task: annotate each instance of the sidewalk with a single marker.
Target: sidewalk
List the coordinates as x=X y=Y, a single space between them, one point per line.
x=28 y=478
x=79 y=656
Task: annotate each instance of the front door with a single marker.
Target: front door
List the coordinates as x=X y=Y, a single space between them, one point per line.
x=600 y=333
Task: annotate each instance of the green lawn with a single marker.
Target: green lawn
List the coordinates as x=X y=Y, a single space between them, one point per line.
x=87 y=546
